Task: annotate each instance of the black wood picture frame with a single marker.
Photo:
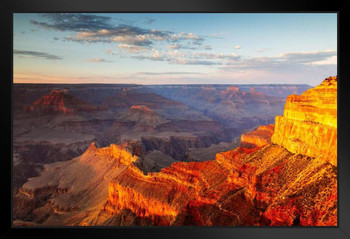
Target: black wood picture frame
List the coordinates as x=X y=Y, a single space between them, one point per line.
x=342 y=8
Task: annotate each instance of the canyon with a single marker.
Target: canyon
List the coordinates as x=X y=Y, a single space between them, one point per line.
x=209 y=160
x=57 y=122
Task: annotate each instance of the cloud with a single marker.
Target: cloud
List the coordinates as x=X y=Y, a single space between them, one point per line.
x=74 y=22
x=97 y=60
x=174 y=46
x=306 y=57
x=133 y=35
x=169 y=73
x=156 y=55
x=177 y=46
x=207 y=47
x=90 y=28
x=217 y=35
x=329 y=61
x=183 y=61
x=183 y=35
x=214 y=56
x=238 y=47
x=132 y=48
x=123 y=34
x=285 y=62
x=36 y=54
x=189 y=58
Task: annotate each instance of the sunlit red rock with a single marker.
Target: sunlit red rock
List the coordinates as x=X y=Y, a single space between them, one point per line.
x=309 y=123
x=257 y=138
x=268 y=186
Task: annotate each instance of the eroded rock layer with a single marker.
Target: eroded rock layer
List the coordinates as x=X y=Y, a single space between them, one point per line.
x=61 y=101
x=67 y=192
x=309 y=123
x=261 y=186
x=259 y=137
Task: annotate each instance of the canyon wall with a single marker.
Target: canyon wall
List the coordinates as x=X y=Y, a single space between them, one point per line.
x=309 y=123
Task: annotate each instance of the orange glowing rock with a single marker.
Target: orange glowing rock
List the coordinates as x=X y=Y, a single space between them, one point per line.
x=141 y=108
x=309 y=123
x=257 y=138
x=168 y=193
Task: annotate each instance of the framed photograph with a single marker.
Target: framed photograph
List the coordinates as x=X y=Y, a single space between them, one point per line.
x=211 y=119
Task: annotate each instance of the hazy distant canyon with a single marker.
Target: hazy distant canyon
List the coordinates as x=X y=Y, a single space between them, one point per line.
x=176 y=122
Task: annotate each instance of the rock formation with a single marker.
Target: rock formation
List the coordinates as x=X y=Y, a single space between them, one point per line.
x=309 y=123
x=263 y=185
x=77 y=188
x=259 y=137
x=60 y=101
x=62 y=120
x=127 y=99
x=142 y=114
x=259 y=183
x=236 y=109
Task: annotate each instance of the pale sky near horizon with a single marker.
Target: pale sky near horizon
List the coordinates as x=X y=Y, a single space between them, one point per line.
x=177 y=48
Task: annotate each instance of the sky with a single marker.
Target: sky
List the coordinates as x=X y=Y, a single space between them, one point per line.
x=174 y=48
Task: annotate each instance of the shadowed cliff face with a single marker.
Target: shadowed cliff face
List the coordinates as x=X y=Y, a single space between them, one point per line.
x=259 y=183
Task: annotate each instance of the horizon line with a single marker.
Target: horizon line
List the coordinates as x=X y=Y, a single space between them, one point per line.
x=22 y=83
